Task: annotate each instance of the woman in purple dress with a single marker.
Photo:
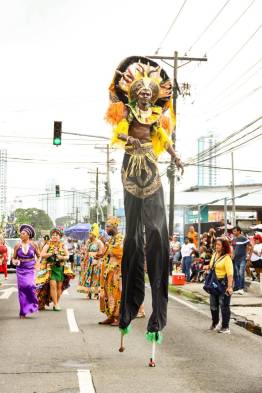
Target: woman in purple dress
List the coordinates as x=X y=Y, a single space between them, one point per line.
x=25 y=254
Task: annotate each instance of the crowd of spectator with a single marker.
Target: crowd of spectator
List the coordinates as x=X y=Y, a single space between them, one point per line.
x=192 y=255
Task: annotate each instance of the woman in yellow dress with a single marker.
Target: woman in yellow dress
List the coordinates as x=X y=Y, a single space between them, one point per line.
x=90 y=276
x=54 y=274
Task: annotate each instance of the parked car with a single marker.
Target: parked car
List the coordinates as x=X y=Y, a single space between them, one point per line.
x=10 y=244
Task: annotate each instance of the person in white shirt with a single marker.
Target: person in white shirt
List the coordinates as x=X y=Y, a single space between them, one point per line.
x=187 y=250
x=256 y=256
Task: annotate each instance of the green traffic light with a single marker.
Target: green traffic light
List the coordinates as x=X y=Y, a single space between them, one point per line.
x=57 y=141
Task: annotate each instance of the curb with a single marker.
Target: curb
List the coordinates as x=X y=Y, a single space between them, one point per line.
x=247 y=324
x=239 y=320
x=193 y=296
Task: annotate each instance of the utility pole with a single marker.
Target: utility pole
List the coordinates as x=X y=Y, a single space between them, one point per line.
x=73 y=213
x=47 y=203
x=97 y=195
x=171 y=172
x=225 y=214
x=233 y=191
x=109 y=197
x=77 y=211
x=199 y=224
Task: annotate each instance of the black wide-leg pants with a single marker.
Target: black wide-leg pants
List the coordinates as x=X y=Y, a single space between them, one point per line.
x=148 y=213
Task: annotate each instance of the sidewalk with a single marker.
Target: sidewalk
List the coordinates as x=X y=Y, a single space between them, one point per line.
x=246 y=309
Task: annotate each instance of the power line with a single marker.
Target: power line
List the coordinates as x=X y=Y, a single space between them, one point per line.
x=222 y=92
x=171 y=27
x=225 y=168
x=230 y=28
x=208 y=26
x=233 y=57
x=221 y=95
x=236 y=102
x=223 y=141
x=234 y=147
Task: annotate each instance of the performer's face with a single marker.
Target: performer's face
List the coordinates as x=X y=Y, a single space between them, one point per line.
x=110 y=230
x=144 y=97
x=24 y=236
x=91 y=237
x=55 y=237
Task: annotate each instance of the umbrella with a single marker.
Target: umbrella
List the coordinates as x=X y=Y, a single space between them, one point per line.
x=78 y=231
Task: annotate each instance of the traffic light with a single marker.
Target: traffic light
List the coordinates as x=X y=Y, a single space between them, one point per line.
x=57 y=133
x=57 y=191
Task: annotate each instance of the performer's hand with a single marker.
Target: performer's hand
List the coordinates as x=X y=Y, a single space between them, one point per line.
x=179 y=164
x=134 y=141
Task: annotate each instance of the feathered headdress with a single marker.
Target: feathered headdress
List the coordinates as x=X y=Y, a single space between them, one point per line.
x=132 y=75
x=95 y=230
x=113 y=221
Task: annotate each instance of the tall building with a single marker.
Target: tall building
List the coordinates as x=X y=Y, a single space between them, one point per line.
x=3 y=182
x=206 y=171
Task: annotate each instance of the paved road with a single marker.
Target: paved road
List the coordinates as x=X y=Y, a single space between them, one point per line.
x=41 y=355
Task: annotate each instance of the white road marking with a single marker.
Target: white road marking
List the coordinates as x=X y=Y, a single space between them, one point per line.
x=65 y=292
x=72 y=321
x=85 y=381
x=7 y=293
x=187 y=304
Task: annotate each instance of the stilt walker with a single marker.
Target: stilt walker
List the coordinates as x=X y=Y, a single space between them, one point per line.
x=140 y=93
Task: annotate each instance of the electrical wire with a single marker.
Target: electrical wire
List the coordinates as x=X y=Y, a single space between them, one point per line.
x=218 y=145
x=232 y=148
x=230 y=28
x=222 y=96
x=224 y=168
x=171 y=27
x=233 y=57
x=208 y=26
x=236 y=102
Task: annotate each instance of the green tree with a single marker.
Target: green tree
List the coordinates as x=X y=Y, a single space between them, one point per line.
x=35 y=217
x=64 y=221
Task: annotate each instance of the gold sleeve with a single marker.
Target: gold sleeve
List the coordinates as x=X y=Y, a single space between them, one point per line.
x=121 y=128
x=160 y=141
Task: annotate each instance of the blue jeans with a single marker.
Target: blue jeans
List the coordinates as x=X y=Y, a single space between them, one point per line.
x=239 y=272
x=186 y=265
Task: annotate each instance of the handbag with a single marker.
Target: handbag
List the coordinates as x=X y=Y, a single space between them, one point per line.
x=212 y=285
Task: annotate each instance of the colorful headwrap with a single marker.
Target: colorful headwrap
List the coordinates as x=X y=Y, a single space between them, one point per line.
x=28 y=229
x=57 y=230
x=95 y=230
x=113 y=221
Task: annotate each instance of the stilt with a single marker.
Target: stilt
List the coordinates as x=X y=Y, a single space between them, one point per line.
x=124 y=332
x=152 y=362
x=154 y=338
x=122 y=348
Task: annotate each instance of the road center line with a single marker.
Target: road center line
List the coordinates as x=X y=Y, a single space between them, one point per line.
x=72 y=321
x=85 y=381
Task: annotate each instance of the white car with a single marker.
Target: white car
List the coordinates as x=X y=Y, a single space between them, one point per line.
x=10 y=244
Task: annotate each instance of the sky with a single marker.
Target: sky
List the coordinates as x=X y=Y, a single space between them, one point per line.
x=58 y=58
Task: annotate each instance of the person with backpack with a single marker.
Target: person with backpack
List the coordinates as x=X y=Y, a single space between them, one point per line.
x=222 y=264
